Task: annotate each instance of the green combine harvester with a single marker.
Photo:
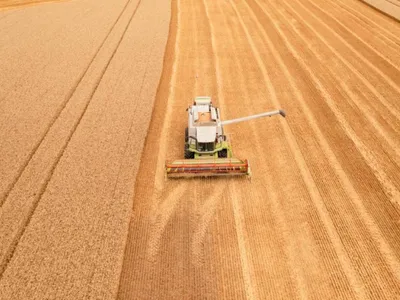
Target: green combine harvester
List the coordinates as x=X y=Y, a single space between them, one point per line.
x=207 y=151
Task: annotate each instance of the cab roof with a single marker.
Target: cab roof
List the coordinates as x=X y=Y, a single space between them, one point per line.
x=202 y=100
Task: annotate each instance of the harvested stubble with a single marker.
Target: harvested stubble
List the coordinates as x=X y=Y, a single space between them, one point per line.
x=390 y=7
x=320 y=218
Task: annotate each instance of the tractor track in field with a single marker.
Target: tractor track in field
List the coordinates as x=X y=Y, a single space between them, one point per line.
x=107 y=94
x=382 y=32
x=8 y=253
x=64 y=104
x=57 y=111
x=320 y=218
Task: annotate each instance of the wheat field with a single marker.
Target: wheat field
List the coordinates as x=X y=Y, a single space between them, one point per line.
x=92 y=103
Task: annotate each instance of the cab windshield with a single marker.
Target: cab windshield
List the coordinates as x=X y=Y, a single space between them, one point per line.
x=205 y=147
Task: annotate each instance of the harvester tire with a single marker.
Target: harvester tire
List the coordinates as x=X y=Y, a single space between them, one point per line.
x=223 y=153
x=188 y=154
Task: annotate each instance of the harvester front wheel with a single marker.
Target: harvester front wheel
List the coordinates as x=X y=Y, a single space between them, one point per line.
x=223 y=153
x=188 y=154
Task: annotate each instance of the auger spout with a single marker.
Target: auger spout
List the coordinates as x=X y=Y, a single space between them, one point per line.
x=265 y=114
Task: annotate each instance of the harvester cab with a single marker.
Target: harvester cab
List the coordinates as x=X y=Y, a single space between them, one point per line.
x=207 y=151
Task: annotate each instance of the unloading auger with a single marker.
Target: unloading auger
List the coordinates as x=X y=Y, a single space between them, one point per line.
x=207 y=151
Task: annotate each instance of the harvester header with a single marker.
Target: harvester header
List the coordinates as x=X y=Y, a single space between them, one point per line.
x=207 y=151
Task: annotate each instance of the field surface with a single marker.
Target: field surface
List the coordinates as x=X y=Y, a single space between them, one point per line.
x=92 y=102
x=17 y=3
x=78 y=82
x=320 y=218
x=390 y=7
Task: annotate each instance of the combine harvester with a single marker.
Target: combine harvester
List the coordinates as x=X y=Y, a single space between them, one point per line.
x=207 y=150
